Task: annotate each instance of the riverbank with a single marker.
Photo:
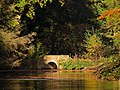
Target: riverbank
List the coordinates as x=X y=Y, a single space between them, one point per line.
x=103 y=68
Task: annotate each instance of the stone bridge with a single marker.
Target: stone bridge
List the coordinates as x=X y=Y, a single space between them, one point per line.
x=52 y=61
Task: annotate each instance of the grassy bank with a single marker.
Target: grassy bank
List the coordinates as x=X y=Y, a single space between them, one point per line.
x=104 y=68
x=76 y=64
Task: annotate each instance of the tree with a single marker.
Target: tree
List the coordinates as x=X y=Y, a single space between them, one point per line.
x=112 y=27
x=60 y=29
x=110 y=32
x=13 y=48
x=93 y=46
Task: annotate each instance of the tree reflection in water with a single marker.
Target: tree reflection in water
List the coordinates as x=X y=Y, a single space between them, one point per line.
x=58 y=80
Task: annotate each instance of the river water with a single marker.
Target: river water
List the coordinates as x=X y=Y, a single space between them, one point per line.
x=54 y=80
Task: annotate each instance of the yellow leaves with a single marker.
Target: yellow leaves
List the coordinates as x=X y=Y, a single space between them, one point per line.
x=62 y=2
x=117 y=35
x=93 y=44
x=13 y=22
x=112 y=19
x=31 y=12
x=109 y=13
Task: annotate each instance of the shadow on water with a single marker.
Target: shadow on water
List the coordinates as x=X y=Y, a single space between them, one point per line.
x=42 y=84
x=53 y=80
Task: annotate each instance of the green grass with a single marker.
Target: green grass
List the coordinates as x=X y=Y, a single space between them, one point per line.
x=75 y=64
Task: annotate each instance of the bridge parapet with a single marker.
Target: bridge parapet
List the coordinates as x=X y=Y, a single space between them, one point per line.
x=55 y=57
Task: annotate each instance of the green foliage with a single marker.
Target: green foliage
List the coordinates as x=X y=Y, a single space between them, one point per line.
x=93 y=45
x=68 y=65
x=75 y=64
x=39 y=51
x=104 y=5
x=8 y=18
x=110 y=33
x=59 y=29
x=111 y=29
x=15 y=46
x=21 y=4
x=101 y=6
x=110 y=68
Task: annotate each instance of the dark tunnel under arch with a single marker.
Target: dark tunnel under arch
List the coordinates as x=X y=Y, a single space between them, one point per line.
x=52 y=65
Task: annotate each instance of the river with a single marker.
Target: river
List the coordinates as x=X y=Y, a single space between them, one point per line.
x=54 y=80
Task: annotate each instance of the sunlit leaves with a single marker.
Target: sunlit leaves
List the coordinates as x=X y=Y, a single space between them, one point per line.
x=62 y=2
x=111 y=28
x=30 y=3
x=31 y=12
x=12 y=23
x=101 y=6
x=112 y=18
x=109 y=13
x=93 y=45
x=21 y=4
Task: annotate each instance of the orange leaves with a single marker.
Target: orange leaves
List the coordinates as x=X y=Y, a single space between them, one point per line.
x=109 y=13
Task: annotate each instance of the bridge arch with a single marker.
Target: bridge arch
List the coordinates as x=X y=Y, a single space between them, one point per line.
x=52 y=65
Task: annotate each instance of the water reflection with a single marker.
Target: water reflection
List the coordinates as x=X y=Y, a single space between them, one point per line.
x=55 y=80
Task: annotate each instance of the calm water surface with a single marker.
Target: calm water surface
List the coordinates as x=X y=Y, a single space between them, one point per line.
x=53 y=80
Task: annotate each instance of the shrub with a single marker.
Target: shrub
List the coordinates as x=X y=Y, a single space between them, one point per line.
x=93 y=45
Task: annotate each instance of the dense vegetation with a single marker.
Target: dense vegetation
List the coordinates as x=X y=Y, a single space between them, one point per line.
x=90 y=29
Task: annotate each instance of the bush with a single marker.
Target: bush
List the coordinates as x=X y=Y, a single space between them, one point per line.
x=93 y=45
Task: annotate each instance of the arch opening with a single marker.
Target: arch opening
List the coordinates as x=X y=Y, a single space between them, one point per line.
x=51 y=65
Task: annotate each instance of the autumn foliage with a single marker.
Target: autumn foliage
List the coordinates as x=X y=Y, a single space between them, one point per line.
x=109 y=13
